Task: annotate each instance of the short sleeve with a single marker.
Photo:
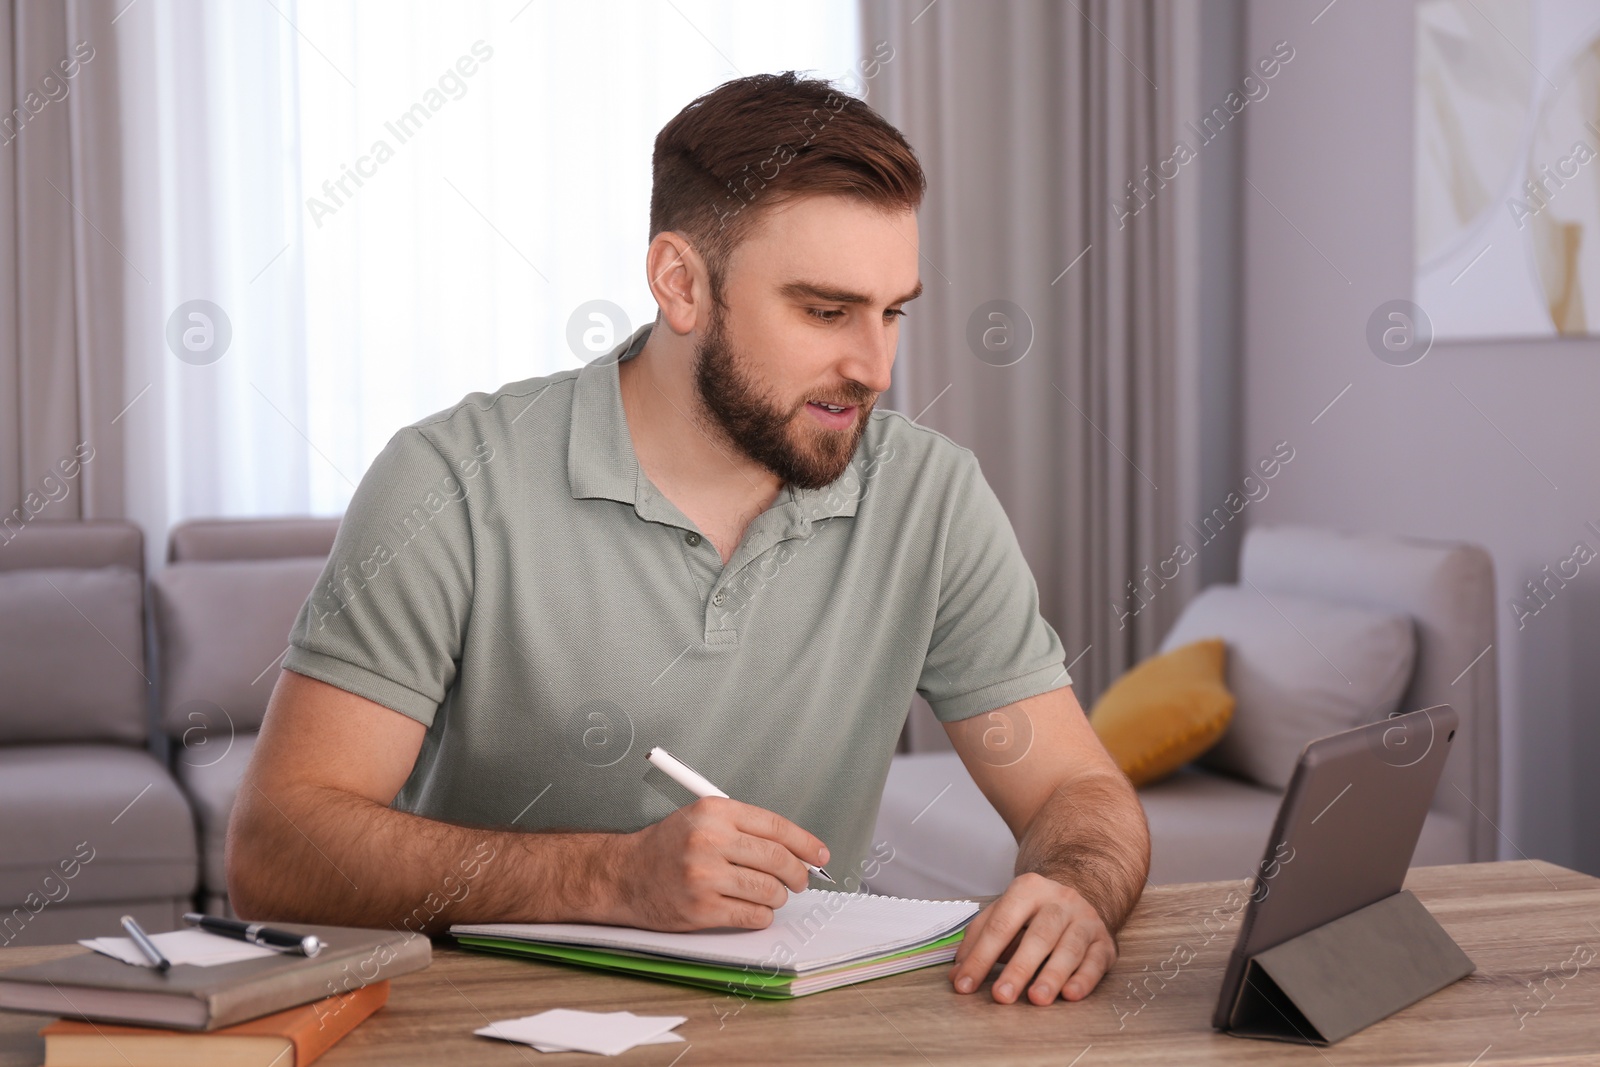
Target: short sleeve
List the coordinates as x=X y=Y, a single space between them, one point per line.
x=990 y=645
x=387 y=616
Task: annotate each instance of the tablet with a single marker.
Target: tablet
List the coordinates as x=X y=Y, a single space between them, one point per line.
x=1345 y=832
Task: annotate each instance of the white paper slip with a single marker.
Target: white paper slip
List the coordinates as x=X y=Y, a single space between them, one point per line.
x=660 y=1039
x=567 y=1030
x=195 y=947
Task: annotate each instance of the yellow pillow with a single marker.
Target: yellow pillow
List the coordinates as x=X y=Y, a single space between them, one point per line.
x=1166 y=711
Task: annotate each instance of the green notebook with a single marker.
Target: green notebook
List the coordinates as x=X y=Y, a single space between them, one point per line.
x=819 y=940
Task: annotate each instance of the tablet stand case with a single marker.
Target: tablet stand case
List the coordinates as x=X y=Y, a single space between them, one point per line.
x=1347 y=974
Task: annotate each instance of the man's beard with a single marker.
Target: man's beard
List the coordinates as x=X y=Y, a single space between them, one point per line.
x=808 y=455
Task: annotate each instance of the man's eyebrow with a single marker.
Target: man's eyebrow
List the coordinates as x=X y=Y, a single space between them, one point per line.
x=801 y=290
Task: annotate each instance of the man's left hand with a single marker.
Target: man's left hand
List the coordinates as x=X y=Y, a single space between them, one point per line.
x=1054 y=940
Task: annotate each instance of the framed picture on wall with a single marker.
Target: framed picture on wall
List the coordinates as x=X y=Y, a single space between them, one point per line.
x=1507 y=164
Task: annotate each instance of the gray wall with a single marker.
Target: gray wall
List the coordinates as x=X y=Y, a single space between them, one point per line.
x=1405 y=450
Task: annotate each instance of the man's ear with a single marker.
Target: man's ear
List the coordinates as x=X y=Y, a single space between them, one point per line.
x=679 y=281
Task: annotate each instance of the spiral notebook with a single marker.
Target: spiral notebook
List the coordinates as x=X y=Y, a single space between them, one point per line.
x=819 y=940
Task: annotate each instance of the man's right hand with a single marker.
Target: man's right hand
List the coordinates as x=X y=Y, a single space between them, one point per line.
x=716 y=862
x=314 y=837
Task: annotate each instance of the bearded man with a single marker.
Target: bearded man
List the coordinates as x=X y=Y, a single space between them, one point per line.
x=709 y=540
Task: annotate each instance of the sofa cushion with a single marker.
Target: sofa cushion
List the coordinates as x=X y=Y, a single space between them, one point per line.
x=72 y=655
x=1166 y=710
x=1448 y=590
x=1204 y=827
x=233 y=539
x=1299 y=668
x=80 y=543
x=64 y=923
x=1209 y=827
x=947 y=840
x=210 y=773
x=91 y=823
x=221 y=628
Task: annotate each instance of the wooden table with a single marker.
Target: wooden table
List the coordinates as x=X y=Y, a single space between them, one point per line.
x=1532 y=928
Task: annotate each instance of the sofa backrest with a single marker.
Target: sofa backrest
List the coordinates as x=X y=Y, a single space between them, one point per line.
x=72 y=648
x=223 y=609
x=1448 y=590
x=236 y=539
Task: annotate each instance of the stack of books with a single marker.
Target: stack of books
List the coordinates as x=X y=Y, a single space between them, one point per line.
x=284 y=1009
x=818 y=940
x=290 y=1038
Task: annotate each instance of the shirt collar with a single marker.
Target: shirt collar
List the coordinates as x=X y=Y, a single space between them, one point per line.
x=601 y=462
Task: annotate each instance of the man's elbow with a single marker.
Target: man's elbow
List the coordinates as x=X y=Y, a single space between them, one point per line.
x=257 y=862
x=1107 y=791
x=1135 y=823
x=249 y=884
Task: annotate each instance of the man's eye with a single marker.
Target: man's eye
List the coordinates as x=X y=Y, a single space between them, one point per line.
x=833 y=314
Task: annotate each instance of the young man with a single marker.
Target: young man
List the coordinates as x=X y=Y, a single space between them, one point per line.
x=707 y=541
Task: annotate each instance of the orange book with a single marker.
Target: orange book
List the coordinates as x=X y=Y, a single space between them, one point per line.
x=308 y=1031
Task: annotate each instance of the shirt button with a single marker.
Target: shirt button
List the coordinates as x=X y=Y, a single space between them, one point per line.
x=719 y=598
x=692 y=539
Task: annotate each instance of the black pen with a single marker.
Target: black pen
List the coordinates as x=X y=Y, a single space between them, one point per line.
x=256 y=934
x=147 y=946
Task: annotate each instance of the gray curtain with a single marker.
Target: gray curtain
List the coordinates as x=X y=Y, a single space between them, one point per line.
x=1030 y=118
x=61 y=268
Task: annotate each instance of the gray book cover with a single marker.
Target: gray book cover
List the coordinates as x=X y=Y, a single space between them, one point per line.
x=188 y=997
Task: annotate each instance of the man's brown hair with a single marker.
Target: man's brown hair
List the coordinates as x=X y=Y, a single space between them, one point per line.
x=754 y=143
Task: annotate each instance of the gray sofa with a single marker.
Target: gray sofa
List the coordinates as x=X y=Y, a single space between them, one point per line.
x=94 y=826
x=223 y=608
x=1207 y=826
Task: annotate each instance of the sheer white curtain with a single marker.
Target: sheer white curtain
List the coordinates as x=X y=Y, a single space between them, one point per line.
x=209 y=200
x=393 y=204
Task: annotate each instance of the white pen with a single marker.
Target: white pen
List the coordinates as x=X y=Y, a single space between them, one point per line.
x=697 y=784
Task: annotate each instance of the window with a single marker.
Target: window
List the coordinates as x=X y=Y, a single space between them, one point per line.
x=377 y=208
x=474 y=174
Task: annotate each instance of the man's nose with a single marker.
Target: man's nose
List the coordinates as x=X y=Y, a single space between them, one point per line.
x=872 y=358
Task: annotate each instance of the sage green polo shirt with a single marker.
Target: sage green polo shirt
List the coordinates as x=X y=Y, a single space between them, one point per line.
x=508 y=576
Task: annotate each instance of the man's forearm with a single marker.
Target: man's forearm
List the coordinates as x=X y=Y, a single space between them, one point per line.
x=1092 y=835
x=314 y=854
